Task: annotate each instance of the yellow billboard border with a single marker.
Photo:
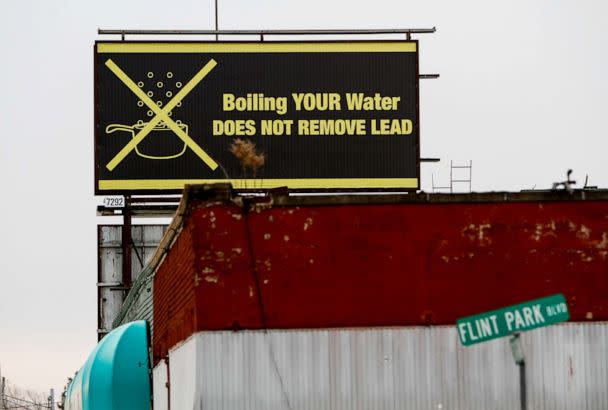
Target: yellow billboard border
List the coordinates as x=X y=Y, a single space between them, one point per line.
x=310 y=183
x=268 y=47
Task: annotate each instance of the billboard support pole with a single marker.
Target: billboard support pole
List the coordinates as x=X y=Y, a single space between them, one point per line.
x=126 y=243
x=520 y=360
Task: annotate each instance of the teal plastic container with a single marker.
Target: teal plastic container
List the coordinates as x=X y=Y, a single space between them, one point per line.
x=116 y=374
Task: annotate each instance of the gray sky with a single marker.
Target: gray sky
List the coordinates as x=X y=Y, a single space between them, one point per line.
x=522 y=93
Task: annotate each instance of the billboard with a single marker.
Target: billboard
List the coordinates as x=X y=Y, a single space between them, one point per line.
x=306 y=115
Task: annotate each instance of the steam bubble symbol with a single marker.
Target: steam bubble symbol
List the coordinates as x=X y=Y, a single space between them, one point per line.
x=159 y=84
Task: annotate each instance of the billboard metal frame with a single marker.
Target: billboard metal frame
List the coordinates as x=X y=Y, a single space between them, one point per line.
x=261 y=34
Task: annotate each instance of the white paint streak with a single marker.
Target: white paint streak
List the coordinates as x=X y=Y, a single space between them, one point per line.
x=583 y=232
x=307 y=223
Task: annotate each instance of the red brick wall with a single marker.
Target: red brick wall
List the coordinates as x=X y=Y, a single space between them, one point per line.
x=173 y=299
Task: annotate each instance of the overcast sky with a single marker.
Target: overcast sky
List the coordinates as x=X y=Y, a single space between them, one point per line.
x=523 y=94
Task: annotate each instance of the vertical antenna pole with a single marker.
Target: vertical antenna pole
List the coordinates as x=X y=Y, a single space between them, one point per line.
x=217 y=36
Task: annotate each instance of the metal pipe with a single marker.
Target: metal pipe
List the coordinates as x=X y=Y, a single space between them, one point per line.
x=451 y=177
x=522 y=384
x=470 y=174
x=408 y=31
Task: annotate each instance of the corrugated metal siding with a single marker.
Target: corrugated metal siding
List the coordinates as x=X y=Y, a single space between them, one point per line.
x=110 y=271
x=183 y=374
x=139 y=303
x=159 y=387
x=389 y=368
x=570 y=364
x=145 y=239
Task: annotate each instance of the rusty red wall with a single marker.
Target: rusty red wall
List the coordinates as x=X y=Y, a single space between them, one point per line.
x=226 y=293
x=415 y=264
x=389 y=265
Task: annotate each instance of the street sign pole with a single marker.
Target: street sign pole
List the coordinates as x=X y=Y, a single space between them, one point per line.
x=520 y=361
x=522 y=384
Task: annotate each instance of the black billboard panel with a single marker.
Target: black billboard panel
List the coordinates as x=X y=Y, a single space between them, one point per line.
x=306 y=115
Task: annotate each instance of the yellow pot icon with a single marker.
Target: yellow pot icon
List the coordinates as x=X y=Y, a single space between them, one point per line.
x=161 y=142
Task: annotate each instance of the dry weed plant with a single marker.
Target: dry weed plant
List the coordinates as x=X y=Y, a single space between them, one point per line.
x=245 y=151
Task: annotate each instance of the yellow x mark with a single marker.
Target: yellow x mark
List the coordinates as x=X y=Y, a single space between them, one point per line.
x=161 y=114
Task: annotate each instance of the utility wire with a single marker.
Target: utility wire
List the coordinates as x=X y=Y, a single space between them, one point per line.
x=22 y=403
x=16 y=405
x=24 y=400
x=141 y=262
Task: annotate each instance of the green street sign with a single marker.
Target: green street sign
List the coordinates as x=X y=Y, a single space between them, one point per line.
x=517 y=318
